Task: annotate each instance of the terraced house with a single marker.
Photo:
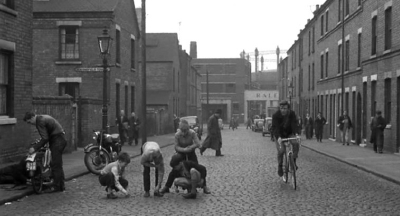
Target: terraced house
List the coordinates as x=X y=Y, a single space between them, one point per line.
x=349 y=51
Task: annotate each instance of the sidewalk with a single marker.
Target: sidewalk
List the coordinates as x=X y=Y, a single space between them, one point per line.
x=74 y=166
x=386 y=165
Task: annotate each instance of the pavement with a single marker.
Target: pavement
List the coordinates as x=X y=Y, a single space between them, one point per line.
x=384 y=165
x=74 y=167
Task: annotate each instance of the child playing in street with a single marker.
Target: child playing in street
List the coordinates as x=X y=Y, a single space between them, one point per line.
x=112 y=176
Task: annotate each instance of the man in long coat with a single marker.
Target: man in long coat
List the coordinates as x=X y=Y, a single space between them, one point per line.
x=214 y=138
x=378 y=125
x=134 y=125
x=309 y=125
x=320 y=121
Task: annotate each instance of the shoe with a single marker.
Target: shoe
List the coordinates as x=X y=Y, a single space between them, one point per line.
x=380 y=152
x=347 y=143
x=280 y=171
x=220 y=155
x=189 y=196
x=202 y=151
x=146 y=194
x=164 y=190
x=206 y=190
x=51 y=189
x=111 y=196
x=158 y=194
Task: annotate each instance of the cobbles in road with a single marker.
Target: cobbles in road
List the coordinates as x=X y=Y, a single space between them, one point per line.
x=243 y=182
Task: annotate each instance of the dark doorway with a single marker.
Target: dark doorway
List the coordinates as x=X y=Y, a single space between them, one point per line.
x=358 y=119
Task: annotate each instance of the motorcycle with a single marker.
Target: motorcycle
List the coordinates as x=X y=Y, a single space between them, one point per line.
x=38 y=168
x=104 y=151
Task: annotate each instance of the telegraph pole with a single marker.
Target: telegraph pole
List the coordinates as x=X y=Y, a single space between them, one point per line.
x=208 y=92
x=343 y=53
x=144 y=99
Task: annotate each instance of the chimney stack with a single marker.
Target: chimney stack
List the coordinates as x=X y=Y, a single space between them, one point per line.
x=193 y=49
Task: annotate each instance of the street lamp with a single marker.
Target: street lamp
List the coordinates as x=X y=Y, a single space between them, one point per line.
x=105 y=42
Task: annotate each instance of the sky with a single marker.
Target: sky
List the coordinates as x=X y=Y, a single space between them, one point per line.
x=224 y=28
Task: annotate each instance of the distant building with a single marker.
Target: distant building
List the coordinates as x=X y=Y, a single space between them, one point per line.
x=15 y=77
x=227 y=80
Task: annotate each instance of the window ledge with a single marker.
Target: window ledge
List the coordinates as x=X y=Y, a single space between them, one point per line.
x=388 y=126
x=4 y=120
x=133 y=70
x=387 y=51
x=372 y=56
x=117 y=64
x=68 y=62
x=8 y=10
x=358 y=68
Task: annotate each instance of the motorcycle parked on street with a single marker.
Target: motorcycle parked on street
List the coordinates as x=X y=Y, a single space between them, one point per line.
x=104 y=151
x=38 y=168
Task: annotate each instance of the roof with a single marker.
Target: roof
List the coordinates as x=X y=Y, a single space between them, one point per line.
x=162 y=46
x=75 y=5
x=158 y=97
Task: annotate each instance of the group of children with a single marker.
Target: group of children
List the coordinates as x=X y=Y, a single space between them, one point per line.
x=192 y=175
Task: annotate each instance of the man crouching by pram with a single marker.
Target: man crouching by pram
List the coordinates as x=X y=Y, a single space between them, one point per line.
x=194 y=176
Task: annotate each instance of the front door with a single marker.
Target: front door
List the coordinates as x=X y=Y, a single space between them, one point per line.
x=358 y=119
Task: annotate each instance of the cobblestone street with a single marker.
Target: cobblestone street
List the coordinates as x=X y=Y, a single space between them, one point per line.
x=243 y=182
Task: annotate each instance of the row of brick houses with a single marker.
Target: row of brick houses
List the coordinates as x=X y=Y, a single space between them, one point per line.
x=49 y=49
x=371 y=75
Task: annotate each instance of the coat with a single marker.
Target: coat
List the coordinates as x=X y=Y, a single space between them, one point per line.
x=378 y=125
x=319 y=122
x=214 y=138
x=282 y=126
x=341 y=124
x=134 y=125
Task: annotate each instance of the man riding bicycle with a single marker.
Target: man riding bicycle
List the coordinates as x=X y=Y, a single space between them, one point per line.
x=284 y=125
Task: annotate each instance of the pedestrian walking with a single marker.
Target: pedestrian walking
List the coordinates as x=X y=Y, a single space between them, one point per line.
x=214 y=138
x=112 y=176
x=232 y=124
x=299 y=125
x=378 y=125
x=344 y=124
x=152 y=157
x=51 y=131
x=176 y=123
x=320 y=121
x=309 y=126
x=123 y=123
x=134 y=126
x=248 y=123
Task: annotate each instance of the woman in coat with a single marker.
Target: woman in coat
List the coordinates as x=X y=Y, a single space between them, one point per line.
x=214 y=138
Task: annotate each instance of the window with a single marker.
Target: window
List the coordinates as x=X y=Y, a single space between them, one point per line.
x=309 y=77
x=326 y=20
x=133 y=98
x=339 y=10
x=388 y=100
x=322 y=25
x=5 y=89
x=69 y=88
x=126 y=100
x=235 y=107
x=347 y=7
x=373 y=98
x=118 y=47
x=322 y=66
x=339 y=58
x=347 y=56
x=69 y=42
x=117 y=99
x=313 y=39
x=326 y=64
x=7 y=3
x=359 y=51
x=374 y=36
x=133 y=50
x=388 y=28
x=230 y=88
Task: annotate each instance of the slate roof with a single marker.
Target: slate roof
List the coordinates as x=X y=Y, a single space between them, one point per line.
x=75 y=5
x=162 y=46
x=157 y=97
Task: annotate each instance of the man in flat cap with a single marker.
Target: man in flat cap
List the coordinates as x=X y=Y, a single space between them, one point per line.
x=214 y=138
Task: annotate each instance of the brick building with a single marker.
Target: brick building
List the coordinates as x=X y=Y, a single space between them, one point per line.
x=364 y=58
x=172 y=82
x=67 y=59
x=15 y=77
x=227 y=81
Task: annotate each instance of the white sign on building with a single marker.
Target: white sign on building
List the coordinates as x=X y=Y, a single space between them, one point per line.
x=268 y=99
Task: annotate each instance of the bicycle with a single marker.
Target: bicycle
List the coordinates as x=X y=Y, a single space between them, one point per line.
x=289 y=166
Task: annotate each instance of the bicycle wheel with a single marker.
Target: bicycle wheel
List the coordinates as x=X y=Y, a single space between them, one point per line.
x=285 y=168
x=37 y=181
x=292 y=171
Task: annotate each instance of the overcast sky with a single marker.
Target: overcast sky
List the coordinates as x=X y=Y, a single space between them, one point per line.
x=224 y=28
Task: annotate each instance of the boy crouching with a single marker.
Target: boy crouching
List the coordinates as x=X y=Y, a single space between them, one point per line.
x=112 y=176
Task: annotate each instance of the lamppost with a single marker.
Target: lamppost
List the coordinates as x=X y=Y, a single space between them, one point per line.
x=105 y=42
